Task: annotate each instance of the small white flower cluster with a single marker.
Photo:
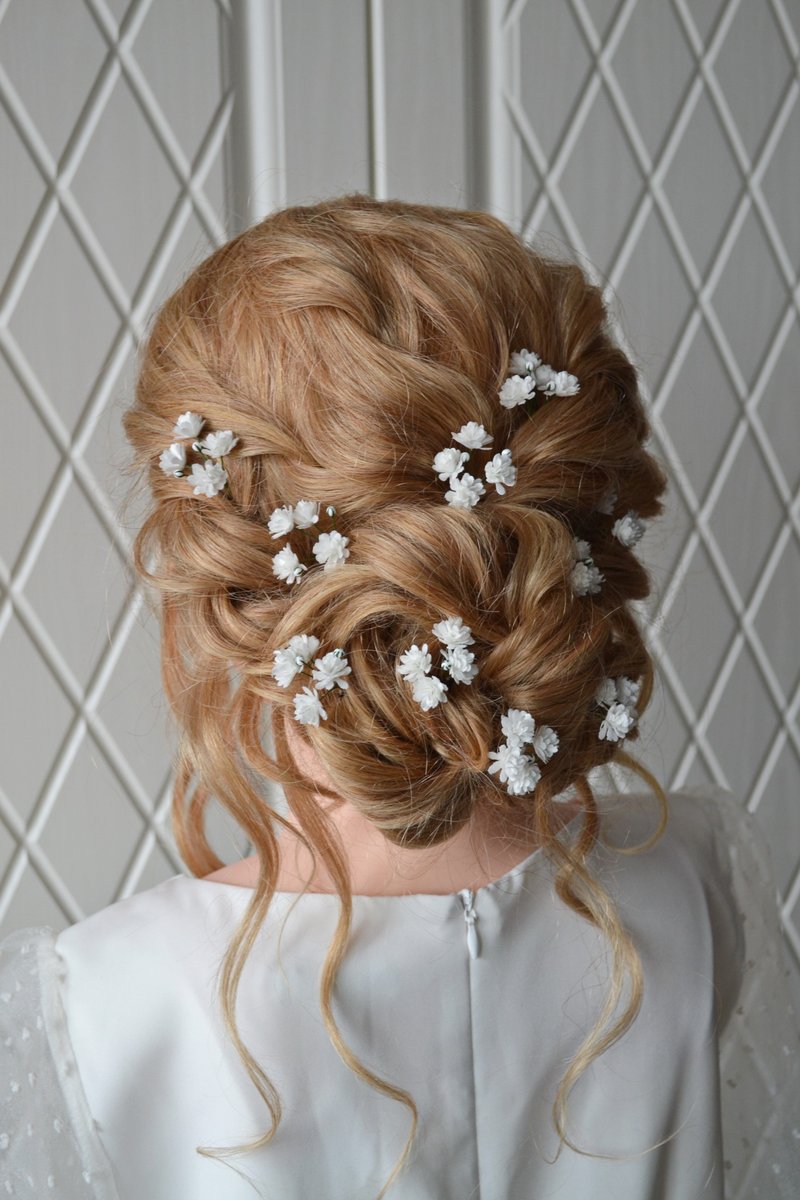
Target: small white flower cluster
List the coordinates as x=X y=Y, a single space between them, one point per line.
x=330 y=549
x=465 y=489
x=457 y=660
x=206 y=478
x=518 y=770
x=528 y=374
x=585 y=576
x=620 y=697
x=628 y=529
x=328 y=672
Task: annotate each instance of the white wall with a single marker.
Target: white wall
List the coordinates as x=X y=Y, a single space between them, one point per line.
x=658 y=141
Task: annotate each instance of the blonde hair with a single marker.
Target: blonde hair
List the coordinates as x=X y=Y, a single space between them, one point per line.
x=342 y=342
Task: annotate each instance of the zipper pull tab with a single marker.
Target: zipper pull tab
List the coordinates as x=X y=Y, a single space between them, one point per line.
x=470 y=916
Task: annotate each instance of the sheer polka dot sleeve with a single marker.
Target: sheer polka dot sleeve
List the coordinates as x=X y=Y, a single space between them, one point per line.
x=760 y=1043
x=48 y=1142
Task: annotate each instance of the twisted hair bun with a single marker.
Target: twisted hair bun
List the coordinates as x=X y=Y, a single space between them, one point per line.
x=344 y=342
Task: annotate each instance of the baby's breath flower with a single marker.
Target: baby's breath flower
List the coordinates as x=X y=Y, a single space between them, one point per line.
x=516 y=390
x=628 y=529
x=429 y=692
x=287 y=566
x=306 y=513
x=453 y=632
x=188 y=425
x=219 y=443
x=415 y=663
x=207 y=478
x=173 y=459
x=473 y=436
x=618 y=721
x=281 y=521
x=449 y=462
x=330 y=549
x=501 y=472
x=307 y=707
x=330 y=670
x=465 y=491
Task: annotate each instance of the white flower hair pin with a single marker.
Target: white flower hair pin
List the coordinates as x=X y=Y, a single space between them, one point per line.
x=330 y=549
x=585 y=576
x=328 y=672
x=628 y=529
x=619 y=697
x=457 y=661
x=529 y=375
x=466 y=490
x=519 y=771
x=207 y=477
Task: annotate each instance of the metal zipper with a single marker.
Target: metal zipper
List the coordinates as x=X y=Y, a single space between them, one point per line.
x=470 y=916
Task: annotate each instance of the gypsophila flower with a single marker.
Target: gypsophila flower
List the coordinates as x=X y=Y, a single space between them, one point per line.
x=459 y=662
x=330 y=670
x=287 y=566
x=207 y=478
x=465 y=491
x=507 y=760
x=525 y=777
x=545 y=743
x=173 y=459
x=330 y=549
x=304 y=646
x=565 y=384
x=628 y=690
x=585 y=578
x=285 y=667
x=529 y=374
x=523 y=362
x=449 y=462
x=473 y=436
x=628 y=529
x=619 y=720
x=291 y=658
x=219 y=444
x=501 y=472
x=281 y=521
x=415 y=663
x=307 y=707
x=429 y=691
x=608 y=503
x=606 y=693
x=518 y=726
x=188 y=425
x=453 y=632
x=516 y=390
x=306 y=513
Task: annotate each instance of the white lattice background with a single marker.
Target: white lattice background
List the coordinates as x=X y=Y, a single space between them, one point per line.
x=673 y=173
x=659 y=139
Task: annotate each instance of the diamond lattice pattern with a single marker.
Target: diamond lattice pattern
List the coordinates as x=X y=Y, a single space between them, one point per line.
x=114 y=185
x=673 y=174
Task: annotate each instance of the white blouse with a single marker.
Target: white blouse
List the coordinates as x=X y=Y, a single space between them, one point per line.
x=115 y=1064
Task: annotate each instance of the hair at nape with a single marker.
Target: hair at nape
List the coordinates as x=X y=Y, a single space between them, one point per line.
x=410 y=535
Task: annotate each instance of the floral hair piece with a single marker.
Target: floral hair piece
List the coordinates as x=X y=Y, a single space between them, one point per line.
x=619 y=697
x=457 y=661
x=528 y=374
x=585 y=576
x=466 y=490
x=328 y=672
x=330 y=549
x=518 y=770
x=208 y=477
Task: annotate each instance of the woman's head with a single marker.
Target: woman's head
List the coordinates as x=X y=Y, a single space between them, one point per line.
x=343 y=343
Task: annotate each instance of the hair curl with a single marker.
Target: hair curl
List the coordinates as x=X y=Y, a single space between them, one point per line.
x=343 y=342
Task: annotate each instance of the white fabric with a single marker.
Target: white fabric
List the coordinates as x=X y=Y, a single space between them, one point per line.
x=114 y=1063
